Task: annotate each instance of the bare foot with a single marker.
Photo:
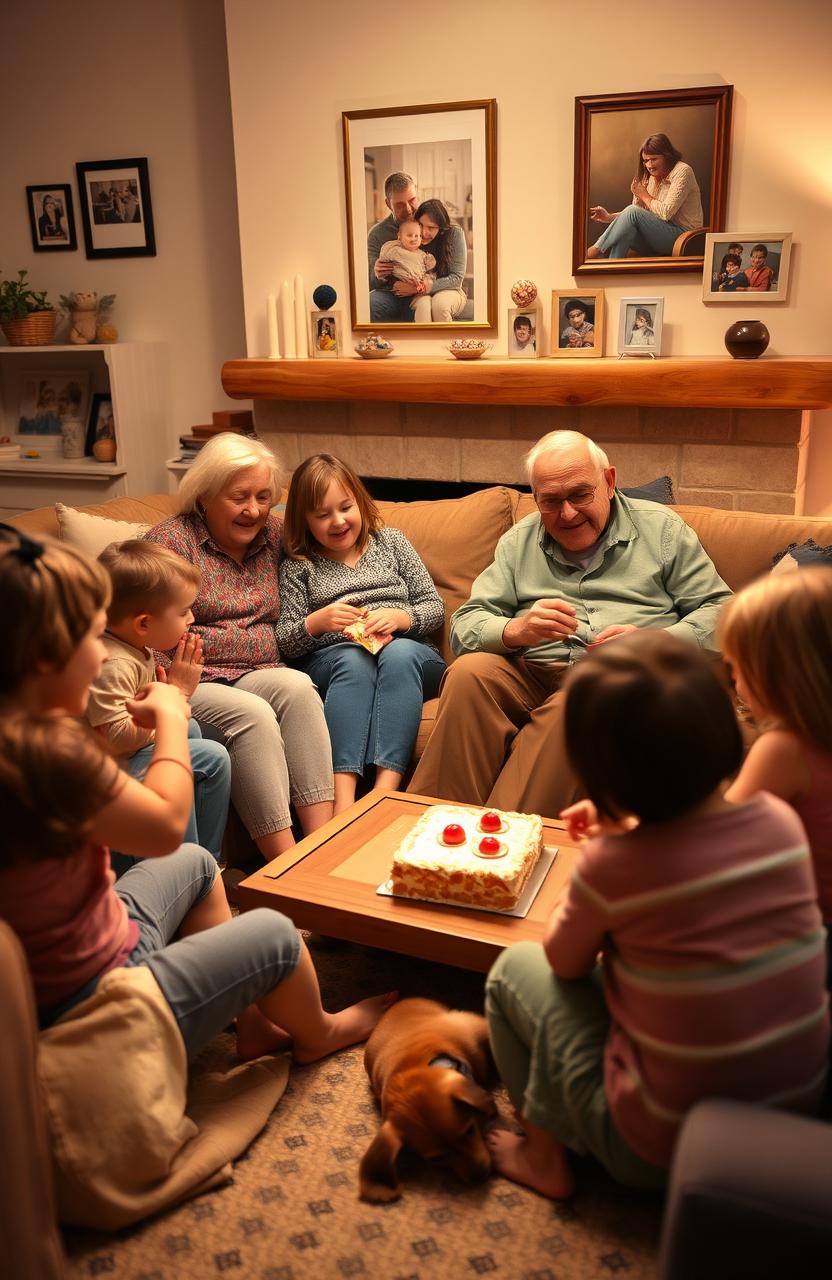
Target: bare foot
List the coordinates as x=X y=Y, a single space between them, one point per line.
x=350 y=1026
x=256 y=1035
x=594 y=252
x=543 y=1167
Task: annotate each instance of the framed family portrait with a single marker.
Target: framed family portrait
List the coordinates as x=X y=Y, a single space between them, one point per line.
x=577 y=323
x=50 y=217
x=44 y=398
x=744 y=266
x=651 y=177
x=640 y=326
x=115 y=208
x=421 y=215
x=523 y=332
x=102 y=424
x=325 y=334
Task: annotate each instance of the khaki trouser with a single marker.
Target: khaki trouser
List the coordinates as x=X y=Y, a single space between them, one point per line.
x=498 y=737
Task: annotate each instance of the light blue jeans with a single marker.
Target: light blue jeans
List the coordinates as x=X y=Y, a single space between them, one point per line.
x=386 y=308
x=373 y=702
x=638 y=229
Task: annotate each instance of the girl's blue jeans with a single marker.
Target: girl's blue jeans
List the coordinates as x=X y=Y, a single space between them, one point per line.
x=373 y=702
x=638 y=229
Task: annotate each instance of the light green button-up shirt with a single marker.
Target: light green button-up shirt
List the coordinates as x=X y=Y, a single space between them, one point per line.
x=650 y=570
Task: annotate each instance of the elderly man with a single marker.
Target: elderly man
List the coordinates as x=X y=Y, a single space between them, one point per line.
x=590 y=565
x=401 y=199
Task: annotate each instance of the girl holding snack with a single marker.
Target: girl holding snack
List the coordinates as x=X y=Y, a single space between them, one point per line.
x=712 y=973
x=65 y=800
x=356 y=606
x=777 y=636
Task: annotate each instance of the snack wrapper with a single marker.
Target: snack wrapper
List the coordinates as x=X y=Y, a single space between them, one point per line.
x=355 y=631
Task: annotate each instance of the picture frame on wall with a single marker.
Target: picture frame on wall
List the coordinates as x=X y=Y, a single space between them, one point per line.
x=577 y=323
x=746 y=267
x=325 y=335
x=523 y=332
x=651 y=178
x=102 y=425
x=116 y=211
x=51 y=217
x=640 y=326
x=436 y=163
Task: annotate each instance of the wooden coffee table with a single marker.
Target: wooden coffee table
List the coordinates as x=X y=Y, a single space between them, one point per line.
x=327 y=883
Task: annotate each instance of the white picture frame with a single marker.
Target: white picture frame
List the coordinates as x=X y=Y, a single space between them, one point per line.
x=640 y=326
x=42 y=398
x=768 y=250
x=325 y=335
x=521 y=320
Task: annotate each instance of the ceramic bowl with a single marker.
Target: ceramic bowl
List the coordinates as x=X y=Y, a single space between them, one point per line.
x=374 y=353
x=468 y=348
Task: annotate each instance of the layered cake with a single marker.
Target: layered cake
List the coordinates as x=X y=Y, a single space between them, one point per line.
x=478 y=857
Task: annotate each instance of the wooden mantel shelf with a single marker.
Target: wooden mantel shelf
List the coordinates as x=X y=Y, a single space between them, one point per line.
x=787 y=382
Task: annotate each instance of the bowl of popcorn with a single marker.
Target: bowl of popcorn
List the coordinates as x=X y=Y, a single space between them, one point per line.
x=468 y=348
x=373 y=347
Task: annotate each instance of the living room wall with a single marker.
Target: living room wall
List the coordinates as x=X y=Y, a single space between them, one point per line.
x=108 y=79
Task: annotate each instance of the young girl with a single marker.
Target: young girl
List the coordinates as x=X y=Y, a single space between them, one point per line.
x=777 y=636
x=64 y=800
x=342 y=566
x=712 y=973
x=642 y=333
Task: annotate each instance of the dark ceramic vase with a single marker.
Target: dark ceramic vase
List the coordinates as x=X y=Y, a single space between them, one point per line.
x=746 y=339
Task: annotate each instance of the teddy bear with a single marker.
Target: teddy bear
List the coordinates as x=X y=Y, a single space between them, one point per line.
x=86 y=310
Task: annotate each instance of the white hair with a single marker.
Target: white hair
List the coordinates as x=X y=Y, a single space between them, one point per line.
x=219 y=461
x=565 y=442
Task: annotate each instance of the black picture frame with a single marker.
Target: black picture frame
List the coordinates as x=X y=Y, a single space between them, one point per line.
x=99 y=400
x=46 y=231
x=115 y=208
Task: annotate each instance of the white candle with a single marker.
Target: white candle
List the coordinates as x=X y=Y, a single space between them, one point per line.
x=301 y=328
x=271 y=320
x=287 y=322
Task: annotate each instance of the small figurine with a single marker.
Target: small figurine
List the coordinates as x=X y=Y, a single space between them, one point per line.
x=86 y=313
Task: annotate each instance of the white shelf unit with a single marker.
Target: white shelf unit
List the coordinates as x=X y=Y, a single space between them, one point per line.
x=135 y=374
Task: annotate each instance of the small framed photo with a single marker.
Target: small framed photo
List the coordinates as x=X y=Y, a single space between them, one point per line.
x=115 y=208
x=325 y=336
x=43 y=398
x=746 y=267
x=577 y=322
x=523 y=329
x=102 y=424
x=51 y=218
x=640 y=326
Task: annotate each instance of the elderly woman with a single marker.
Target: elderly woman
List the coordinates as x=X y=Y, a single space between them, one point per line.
x=666 y=202
x=269 y=715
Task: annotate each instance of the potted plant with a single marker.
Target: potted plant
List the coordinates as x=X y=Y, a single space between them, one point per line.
x=26 y=316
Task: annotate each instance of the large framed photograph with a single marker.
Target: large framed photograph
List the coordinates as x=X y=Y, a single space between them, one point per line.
x=640 y=326
x=50 y=217
x=115 y=208
x=102 y=424
x=577 y=322
x=421 y=215
x=651 y=176
x=744 y=266
x=43 y=398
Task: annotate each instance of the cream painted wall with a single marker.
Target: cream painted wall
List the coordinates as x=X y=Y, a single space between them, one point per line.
x=107 y=79
x=295 y=68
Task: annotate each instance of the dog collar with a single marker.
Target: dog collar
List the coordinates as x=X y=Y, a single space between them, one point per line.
x=455 y=1064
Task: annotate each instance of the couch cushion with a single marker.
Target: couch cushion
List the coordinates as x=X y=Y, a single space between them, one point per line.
x=455 y=537
x=742 y=544
x=801 y=553
x=93 y=533
x=147 y=510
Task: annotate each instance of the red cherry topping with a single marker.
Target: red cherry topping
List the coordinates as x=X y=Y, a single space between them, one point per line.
x=491 y=821
x=453 y=834
x=489 y=845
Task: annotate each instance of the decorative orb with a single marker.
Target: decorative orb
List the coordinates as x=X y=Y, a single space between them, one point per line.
x=107 y=333
x=324 y=297
x=746 y=339
x=104 y=450
x=523 y=293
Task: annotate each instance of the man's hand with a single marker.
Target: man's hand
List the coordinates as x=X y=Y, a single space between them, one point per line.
x=156 y=700
x=384 y=622
x=185 y=670
x=382 y=270
x=333 y=618
x=546 y=620
x=610 y=633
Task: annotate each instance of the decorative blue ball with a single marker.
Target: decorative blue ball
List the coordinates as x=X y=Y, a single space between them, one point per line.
x=324 y=297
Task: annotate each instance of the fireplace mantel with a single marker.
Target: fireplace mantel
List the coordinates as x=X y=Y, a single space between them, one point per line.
x=786 y=382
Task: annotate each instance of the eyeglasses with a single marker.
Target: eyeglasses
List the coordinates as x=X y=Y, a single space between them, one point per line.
x=551 y=504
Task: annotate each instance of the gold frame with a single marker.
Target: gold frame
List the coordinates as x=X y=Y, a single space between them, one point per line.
x=485 y=190
x=581 y=295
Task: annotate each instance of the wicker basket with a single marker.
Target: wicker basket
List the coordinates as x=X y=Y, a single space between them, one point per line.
x=34 y=330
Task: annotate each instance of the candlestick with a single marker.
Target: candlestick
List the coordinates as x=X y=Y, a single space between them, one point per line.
x=287 y=322
x=301 y=326
x=271 y=322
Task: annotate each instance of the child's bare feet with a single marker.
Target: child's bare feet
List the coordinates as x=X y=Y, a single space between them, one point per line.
x=541 y=1165
x=256 y=1035
x=349 y=1026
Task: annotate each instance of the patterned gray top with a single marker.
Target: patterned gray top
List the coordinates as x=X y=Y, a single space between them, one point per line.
x=389 y=575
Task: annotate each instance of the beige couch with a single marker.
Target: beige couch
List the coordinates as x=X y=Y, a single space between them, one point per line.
x=456 y=538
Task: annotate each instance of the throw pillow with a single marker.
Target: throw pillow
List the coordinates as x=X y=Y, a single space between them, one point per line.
x=93 y=533
x=800 y=553
x=658 y=490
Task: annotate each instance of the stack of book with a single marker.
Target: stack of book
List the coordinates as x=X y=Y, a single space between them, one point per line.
x=239 y=420
x=8 y=449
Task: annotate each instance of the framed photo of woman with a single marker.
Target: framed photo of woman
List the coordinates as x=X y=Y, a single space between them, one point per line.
x=651 y=177
x=577 y=323
x=640 y=326
x=421 y=215
x=50 y=217
x=115 y=208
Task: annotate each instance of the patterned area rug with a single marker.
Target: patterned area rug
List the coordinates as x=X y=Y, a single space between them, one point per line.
x=292 y=1211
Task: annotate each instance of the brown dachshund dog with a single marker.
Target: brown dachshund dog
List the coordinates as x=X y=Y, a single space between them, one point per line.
x=428 y=1066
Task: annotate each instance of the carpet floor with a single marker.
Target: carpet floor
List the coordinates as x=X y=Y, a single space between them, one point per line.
x=292 y=1211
